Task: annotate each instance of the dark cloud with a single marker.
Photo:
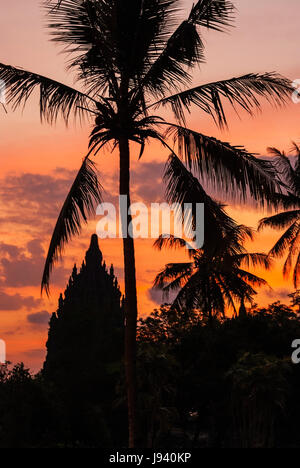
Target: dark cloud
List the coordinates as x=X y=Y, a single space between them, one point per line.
x=278 y=294
x=34 y=200
x=158 y=297
x=39 y=318
x=38 y=189
x=147 y=182
x=17 y=301
x=35 y=354
x=10 y=250
x=15 y=331
x=24 y=266
x=29 y=206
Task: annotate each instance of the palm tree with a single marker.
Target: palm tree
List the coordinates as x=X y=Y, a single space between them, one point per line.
x=290 y=219
x=132 y=58
x=214 y=280
x=216 y=284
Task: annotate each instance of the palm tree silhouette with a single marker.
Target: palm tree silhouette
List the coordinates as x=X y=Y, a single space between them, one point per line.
x=214 y=284
x=132 y=58
x=290 y=219
x=214 y=280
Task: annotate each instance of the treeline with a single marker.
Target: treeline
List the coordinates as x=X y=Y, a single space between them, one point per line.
x=226 y=383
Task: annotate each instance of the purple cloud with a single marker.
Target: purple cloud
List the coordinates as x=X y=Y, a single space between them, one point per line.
x=158 y=297
x=39 y=319
x=24 y=266
x=147 y=183
x=17 y=301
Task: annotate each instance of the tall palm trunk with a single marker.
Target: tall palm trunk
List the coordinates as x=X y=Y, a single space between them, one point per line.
x=130 y=297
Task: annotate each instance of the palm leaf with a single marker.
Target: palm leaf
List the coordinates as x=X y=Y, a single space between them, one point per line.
x=288 y=263
x=230 y=169
x=172 y=243
x=296 y=273
x=287 y=172
x=183 y=188
x=185 y=47
x=243 y=92
x=252 y=279
x=114 y=37
x=255 y=259
x=78 y=205
x=190 y=294
x=173 y=271
x=55 y=98
x=280 y=220
x=285 y=240
x=293 y=250
x=216 y=15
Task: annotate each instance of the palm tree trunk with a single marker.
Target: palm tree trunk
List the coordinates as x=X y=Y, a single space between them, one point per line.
x=130 y=297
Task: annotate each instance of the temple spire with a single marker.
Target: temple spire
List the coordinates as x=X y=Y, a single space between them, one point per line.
x=94 y=254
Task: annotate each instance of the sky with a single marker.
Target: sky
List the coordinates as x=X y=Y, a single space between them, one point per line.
x=38 y=163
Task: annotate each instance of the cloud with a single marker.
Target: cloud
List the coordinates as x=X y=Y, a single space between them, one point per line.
x=278 y=294
x=21 y=267
x=158 y=297
x=147 y=182
x=39 y=319
x=33 y=200
x=35 y=353
x=17 y=301
x=12 y=332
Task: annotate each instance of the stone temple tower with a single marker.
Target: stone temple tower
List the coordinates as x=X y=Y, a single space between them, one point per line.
x=85 y=340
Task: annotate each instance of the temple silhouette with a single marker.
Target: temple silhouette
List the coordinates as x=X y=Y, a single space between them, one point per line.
x=85 y=341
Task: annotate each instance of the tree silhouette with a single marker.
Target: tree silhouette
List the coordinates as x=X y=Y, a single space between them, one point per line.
x=130 y=59
x=215 y=283
x=259 y=392
x=214 y=279
x=290 y=219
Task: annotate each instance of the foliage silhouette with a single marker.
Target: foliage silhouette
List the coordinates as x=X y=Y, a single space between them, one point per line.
x=290 y=219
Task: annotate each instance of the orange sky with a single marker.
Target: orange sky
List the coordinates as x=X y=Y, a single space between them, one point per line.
x=38 y=162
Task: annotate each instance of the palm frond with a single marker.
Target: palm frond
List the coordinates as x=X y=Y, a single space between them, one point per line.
x=255 y=259
x=183 y=188
x=280 y=220
x=113 y=38
x=173 y=276
x=185 y=48
x=216 y=15
x=54 y=98
x=243 y=92
x=252 y=279
x=296 y=274
x=286 y=201
x=286 y=170
x=230 y=169
x=78 y=205
x=227 y=294
x=190 y=294
x=288 y=263
x=285 y=240
x=293 y=251
x=172 y=243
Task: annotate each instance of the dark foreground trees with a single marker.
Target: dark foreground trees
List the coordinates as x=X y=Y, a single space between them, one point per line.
x=230 y=385
x=235 y=383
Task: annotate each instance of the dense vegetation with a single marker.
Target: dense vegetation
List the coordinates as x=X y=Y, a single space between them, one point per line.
x=229 y=383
